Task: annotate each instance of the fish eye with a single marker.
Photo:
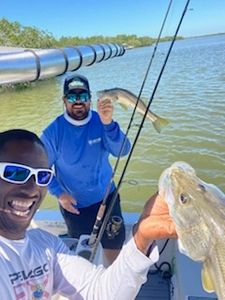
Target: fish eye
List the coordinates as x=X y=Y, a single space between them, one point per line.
x=202 y=187
x=183 y=198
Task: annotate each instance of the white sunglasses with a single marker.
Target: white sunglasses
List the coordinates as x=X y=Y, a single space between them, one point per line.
x=19 y=174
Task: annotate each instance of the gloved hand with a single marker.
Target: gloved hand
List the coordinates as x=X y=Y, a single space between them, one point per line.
x=155 y=223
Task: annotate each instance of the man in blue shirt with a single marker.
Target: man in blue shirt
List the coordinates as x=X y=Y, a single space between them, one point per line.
x=78 y=144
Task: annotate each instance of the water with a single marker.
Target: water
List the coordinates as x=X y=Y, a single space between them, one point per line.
x=190 y=95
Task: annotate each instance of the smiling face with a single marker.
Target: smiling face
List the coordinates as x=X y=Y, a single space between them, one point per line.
x=19 y=202
x=77 y=110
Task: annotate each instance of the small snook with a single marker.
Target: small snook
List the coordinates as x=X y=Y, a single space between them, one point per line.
x=198 y=211
x=127 y=99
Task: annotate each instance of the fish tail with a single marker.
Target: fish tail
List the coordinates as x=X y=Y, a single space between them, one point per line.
x=159 y=123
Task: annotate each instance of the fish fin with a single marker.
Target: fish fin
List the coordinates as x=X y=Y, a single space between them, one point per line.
x=207 y=281
x=159 y=123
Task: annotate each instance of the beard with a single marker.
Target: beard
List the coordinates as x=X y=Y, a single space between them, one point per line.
x=78 y=111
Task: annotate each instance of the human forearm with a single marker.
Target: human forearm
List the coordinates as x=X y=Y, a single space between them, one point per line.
x=142 y=243
x=124 y=278
x=131 y=269
x=114 y=139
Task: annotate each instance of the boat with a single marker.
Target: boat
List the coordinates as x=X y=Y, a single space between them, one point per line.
x=19 y=65
x=173 y=276
x=128 y=47
x=170 y=279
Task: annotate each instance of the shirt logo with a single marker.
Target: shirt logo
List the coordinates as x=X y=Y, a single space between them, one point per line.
x=76 y=84
x=94 y=141
x=23 y=276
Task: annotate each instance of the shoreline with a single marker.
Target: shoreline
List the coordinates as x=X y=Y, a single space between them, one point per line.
x=11 y=49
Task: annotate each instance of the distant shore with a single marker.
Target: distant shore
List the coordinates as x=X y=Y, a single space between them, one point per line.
x=6 y=49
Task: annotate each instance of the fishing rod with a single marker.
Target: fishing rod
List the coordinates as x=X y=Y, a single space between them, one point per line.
x=108 y=213
x=102 y=207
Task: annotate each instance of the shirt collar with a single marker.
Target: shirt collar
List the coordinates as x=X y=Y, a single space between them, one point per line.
x=78 y=122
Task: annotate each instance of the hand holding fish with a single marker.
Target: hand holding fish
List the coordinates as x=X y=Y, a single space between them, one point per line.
x=105 y=110
x=154 y=223
x=198 y=211
x=127 y=99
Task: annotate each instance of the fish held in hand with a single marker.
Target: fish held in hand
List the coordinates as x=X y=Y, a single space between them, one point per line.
x=127 y=99
x=198 y=211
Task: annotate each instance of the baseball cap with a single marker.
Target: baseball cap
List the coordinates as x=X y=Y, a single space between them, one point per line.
x=75 y=82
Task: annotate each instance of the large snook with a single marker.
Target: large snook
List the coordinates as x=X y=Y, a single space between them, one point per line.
x=198 y=211
x=128 y=99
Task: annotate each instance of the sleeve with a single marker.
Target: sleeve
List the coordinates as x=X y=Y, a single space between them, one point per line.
x=77 y=277
x=114 y=139
x=49 y=140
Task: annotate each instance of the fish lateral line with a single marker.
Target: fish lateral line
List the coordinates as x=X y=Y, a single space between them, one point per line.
x=127 y=99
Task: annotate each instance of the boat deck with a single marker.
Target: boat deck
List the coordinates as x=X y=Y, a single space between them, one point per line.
x=158 y=285
x=155 y=288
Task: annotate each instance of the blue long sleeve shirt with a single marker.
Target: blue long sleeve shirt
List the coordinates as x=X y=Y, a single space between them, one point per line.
x=80 y=156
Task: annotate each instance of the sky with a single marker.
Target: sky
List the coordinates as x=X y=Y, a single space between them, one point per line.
x=86 y=18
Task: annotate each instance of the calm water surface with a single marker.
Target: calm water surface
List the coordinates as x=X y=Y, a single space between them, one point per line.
x=190 y=95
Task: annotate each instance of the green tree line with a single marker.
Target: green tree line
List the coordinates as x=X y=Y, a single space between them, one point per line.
x=14 y=34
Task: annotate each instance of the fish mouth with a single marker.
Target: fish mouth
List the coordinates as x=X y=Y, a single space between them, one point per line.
x=182 y=167
x=176 y=170
x=170 y=179
x=164 y=186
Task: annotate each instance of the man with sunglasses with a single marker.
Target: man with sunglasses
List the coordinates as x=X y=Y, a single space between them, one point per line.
x=35 y=264
x=78 y=144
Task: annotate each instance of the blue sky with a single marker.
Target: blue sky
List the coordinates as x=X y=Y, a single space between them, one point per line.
x=111 y=17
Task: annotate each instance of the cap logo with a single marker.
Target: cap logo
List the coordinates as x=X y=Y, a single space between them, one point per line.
x=76 y=84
